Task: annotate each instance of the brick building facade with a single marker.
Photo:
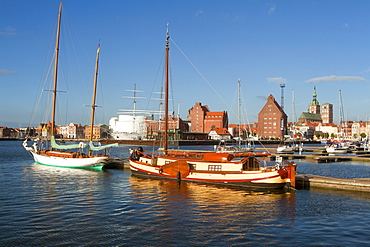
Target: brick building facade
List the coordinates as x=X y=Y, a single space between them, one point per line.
x=272 y=120
x=202 y=120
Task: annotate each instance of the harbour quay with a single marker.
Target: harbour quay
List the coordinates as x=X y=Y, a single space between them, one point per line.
x=356 y=184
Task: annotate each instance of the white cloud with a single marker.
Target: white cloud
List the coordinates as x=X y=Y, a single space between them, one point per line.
x=199 y=12
x=5 y=71
x=336 y=78
x=277 y=79
x=264 y=98
x=271 y=9
x=8 y=31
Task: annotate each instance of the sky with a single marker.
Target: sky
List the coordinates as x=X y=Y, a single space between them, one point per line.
x=214 y=44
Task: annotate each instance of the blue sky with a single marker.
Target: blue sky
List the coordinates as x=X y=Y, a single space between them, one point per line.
x=262 y=43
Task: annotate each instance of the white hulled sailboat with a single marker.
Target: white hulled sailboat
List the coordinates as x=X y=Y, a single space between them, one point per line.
x=54 y=155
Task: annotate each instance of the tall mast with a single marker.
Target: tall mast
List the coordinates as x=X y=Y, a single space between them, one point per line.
x=239 y=105
x=134 y=114
x=52 y=131
x=293 y=108
x=340 y=112
x=93 y=102
x=165 y=145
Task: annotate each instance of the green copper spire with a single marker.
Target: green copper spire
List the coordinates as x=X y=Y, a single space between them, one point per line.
x=314 y=100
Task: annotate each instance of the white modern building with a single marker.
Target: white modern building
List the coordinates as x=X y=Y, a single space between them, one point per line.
x=127 y=127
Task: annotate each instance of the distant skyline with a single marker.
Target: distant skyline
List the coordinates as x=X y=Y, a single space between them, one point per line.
x=214 y=44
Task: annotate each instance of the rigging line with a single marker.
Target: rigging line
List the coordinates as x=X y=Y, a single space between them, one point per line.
x=156 y=77
x=45 y=72
x=245 y=108
x=72 y=71
x=235 y=97
x=209 y=84
x=69 y=33
x=172 y=95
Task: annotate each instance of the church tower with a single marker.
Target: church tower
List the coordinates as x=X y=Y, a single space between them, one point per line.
x=314 y=106
x=313 y=115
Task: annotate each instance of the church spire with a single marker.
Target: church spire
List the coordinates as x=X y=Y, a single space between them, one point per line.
x=314 y=97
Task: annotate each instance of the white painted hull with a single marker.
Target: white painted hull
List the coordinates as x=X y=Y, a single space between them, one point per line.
x=94 y=162
x=234 y=177
x=333 y=150
x=285 y=150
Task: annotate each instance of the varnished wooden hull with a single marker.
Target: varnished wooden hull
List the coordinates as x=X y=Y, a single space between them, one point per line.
x=247 y=179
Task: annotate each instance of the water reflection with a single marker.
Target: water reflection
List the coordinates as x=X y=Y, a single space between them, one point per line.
x=214 y=203
x=52 y=185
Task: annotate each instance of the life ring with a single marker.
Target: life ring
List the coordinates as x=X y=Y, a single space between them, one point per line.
x=81 y=145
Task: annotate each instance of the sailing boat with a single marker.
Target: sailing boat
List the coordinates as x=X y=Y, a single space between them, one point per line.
x=339 y=147
x=54 y=156
x=211 y=167
x=237 y=150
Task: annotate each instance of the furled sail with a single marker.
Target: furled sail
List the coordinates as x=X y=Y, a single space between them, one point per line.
x=94 y=148
x=69 y=146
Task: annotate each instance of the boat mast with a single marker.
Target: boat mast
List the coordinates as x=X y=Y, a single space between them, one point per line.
x=52 y=130
x=165 y=144
x=239 y=105
x=93 y=103
x=341 y=125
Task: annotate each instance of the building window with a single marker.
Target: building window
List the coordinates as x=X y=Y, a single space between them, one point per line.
x=216 y=168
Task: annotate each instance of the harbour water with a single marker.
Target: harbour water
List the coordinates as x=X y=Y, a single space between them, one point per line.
x=48 y=206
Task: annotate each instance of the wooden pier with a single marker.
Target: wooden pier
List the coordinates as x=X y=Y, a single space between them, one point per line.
x=355 y=184
x=323 y=157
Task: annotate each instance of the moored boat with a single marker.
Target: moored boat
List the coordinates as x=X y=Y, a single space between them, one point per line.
x=213 y=168
x=336 y=148
x=50 y=152
x=209 y=167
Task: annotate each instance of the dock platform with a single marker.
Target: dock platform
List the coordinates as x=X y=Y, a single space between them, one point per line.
x=355 y=184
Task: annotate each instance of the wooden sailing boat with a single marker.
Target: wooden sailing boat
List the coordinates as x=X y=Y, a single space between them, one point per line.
x=237 y=150
x=212 y=167
x=53 y=156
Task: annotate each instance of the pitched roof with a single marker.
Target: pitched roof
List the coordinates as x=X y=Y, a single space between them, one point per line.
x=221 y=131
x=271 y=100
x=310 y=116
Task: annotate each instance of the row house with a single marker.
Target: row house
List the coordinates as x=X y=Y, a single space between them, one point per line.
x=360 y=127
x=5 y=132
x=347 y=130
x=70 y=131
x=96 y=132
x=76 y=131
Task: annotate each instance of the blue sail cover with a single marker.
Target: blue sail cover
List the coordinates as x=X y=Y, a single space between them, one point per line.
x=69 y=146
x=94 y=148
